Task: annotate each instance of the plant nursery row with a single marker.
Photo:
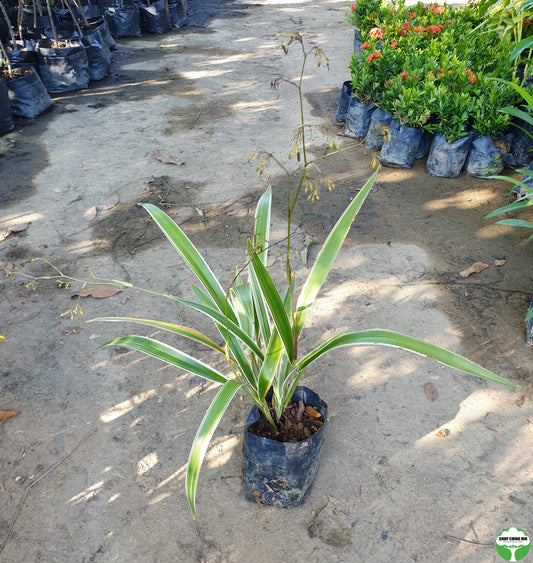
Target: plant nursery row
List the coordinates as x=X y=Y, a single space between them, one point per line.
x=440 y=81
x=50 y=48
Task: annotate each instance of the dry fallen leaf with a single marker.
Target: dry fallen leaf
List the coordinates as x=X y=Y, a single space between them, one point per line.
x=108 y=203
x=90 y=214
x=98 y=291
x=474 y=269
x=7 y=267
x=166 y=158
x=5 y=415
x=520 y=401
x=431 y=391
x=442 y=433
x=499 y=262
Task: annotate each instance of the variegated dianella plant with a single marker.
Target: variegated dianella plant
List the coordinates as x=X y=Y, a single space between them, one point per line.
x=259 y=327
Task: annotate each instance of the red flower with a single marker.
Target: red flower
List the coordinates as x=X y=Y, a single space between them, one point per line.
x=393 y=44
x=364 y=45
x=354 y=5
x=440 y=71
x=373 y=56
x=473 y=80
x=418 y=28
x=412 y=15
x=448 y=22
x=404 y=75
x=527 y=22
x=376 y=33
x=434 y=9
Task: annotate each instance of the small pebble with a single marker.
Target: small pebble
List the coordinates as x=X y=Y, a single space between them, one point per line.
x=384 y=535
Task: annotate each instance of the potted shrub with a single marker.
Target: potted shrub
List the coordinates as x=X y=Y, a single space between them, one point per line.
x=259 y=326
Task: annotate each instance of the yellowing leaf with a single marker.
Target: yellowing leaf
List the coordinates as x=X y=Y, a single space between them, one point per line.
x=99 y=291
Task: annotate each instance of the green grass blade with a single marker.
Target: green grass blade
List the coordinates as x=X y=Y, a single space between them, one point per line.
x=262 y=225
x=397 y=340
x=275 y=304
x=169 y=355
x=190 y=254
x=260 y=308
x=328 y=253
x=176 y=329
x=203 y=436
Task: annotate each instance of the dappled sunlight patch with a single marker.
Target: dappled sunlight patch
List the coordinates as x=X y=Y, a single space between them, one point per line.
x=158 y=498
x=221 y=450
x=87 y=494
x=125 y=407
x=113 y=498
x=197 y=74
x=146 y=463
x=468 y=199
x=179 y=474
x=90 y=245
x=16 y=219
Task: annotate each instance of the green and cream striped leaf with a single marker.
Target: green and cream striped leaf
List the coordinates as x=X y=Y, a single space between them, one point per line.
x=203 y=437
x=169 y=355
x=262 y=225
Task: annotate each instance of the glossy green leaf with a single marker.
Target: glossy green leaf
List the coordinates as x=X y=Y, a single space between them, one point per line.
x=169 y=355
x=203 y=436
x=270 y=365
x=397 y=340
x=515 y=206
x=328 y=253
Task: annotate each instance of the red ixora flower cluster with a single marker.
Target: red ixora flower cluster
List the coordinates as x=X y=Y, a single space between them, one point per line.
x=393 y=44
x=471 y=75
x=376 y=33
x=373 y=56
x=412 y=15
x=354 y=5
x=405 y=28
x=403 y=75
x=435 y=9
x=364 y=45
x=433 y=29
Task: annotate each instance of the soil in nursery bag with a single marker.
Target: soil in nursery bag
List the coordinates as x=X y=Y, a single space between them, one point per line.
x=344 y=102
x=124 y=21
x=178 y=12
x=484 y=158
x=63 y=67
x=446 y=160
x=6 y=119
x=400 y=146
x=298 y=422
x=377 y=130
x=155 y=17
x=358 y=118
x=28 y=95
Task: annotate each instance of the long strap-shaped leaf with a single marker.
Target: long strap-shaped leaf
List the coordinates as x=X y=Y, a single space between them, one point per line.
x=515 y=206
x=169 y=355
x=203 y=437
x=262 y=225
x=192 y=257
x=270 y=365
x=176 y=329
x=275 y=304
x=397 y=340
x=327 y=255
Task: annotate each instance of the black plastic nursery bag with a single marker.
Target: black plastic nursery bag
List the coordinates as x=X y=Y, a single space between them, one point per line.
x=400 y=146
x=358 y=118
x=342 y=108
x=24 y=57
x=155 y=18
x=28 y=95
x=6 y=119
x=124 y=21
x=178 y=11
x=98 y=55
x=65 y=68
x=446 y=160
x=377 y=130
x=484 y=158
